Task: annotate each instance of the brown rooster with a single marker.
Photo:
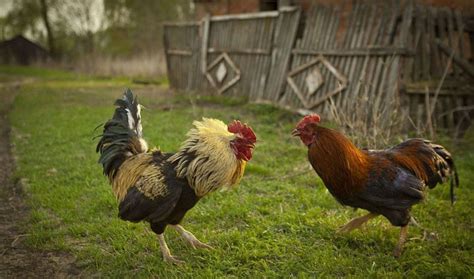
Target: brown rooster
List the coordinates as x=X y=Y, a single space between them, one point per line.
x=384 y=182
x=160 y=188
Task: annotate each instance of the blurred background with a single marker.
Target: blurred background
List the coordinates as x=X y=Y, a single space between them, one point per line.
x=119 y=37
x=105 y=37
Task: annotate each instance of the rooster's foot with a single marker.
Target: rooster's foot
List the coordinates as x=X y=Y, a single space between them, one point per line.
x=190 y=238
x=195 y=243
x=427 y=235
x=356 y=223
x=167 y=257
x=172 y=259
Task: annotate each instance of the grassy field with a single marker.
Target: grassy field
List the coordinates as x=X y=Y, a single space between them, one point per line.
x=280 y=222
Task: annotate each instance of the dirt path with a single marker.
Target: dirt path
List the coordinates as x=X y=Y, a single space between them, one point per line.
x=16 y=259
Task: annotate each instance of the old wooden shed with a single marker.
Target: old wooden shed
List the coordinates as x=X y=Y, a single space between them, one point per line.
x=20 y=50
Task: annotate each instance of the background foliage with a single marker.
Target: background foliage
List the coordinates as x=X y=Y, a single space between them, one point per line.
x=97 y=35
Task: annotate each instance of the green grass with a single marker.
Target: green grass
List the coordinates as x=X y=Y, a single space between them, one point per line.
x=280 y=222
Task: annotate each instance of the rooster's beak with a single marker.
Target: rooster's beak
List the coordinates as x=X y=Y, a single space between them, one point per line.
x=295 y=133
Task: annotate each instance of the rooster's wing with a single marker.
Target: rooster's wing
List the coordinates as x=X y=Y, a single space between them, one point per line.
x=154 y=195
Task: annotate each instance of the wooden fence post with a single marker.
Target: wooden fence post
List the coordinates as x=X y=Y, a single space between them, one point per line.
x=205 y=42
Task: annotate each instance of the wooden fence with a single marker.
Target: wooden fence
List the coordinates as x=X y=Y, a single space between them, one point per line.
x=438 y=80
x=360 y=70
x=386 y=59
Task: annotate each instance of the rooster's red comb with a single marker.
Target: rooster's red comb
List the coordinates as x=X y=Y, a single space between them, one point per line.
x=238 y=127
x=311 y=118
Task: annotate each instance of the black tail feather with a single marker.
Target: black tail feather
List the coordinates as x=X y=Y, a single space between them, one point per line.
x=122 y=135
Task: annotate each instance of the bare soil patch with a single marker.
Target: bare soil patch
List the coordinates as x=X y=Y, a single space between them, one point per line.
x=17 y=260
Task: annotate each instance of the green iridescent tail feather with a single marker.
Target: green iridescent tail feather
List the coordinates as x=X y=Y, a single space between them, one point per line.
x=122 y=135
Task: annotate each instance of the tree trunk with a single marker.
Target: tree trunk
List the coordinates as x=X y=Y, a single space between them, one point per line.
x=44 y=16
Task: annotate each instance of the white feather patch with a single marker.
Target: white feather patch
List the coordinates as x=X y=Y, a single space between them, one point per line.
x=139 y=117
x=143 y=144
x=131 y=121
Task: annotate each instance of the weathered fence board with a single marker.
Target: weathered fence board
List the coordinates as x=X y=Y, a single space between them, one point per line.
x=284 y=37
x=182 y=54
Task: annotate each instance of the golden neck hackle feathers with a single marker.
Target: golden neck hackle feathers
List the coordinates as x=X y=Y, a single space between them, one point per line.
x=338 y=162
x=215 y=165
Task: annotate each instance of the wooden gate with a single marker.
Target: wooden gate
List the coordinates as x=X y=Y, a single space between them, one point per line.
x=235 y=54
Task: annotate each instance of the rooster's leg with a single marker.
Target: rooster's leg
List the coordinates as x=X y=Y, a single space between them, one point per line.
x=190 y=238
x=167 y=257
x=356 y=223
x=401 y=241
